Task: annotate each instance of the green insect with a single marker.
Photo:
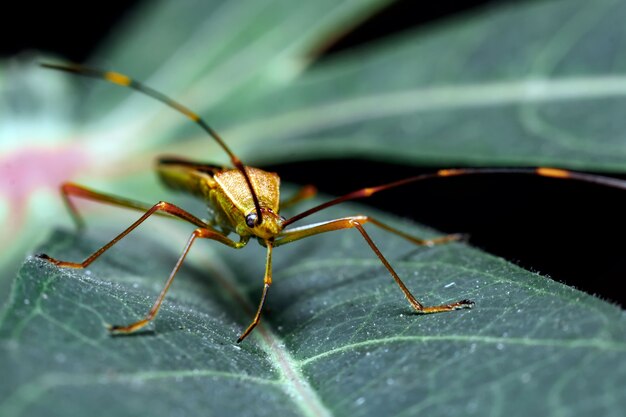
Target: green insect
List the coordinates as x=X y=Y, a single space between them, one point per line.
x=246 y=201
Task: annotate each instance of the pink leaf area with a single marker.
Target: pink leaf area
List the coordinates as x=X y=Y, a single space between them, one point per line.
x=29 y=170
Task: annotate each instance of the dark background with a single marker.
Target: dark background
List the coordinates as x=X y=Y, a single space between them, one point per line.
x=570 y=231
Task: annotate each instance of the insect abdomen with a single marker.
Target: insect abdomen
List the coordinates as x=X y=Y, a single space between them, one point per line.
x=189 y=177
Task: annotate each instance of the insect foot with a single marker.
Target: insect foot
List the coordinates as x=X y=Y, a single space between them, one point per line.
x=459 y=305
x=56 y=262
x=119 y=330
x=465 y=304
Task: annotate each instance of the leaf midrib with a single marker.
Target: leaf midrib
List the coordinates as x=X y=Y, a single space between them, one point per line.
x=307 y=119
x=305 y=398
x=442 y=97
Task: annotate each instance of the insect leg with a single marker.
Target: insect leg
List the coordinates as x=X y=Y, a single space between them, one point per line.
x=413 y=239
x=160 y=207
x=357 y=223
x=69 y=189
x=306 y=192
x=203 y=233
x=267 y=281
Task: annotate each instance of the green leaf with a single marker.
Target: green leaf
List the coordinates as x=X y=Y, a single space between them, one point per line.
x=337 y=336
x=211 y=51
x=501 y=86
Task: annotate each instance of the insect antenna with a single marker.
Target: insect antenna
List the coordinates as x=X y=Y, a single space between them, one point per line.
x=125 y=81
x=541 y=171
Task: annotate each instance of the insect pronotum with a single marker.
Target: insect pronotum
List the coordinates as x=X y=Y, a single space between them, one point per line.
x=245 y=201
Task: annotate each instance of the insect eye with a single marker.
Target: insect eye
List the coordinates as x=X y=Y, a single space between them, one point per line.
x=251 y=220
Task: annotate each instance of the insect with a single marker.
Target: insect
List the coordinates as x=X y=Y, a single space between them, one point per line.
x=245 y=201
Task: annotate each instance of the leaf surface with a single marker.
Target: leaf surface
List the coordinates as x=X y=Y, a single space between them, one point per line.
x=500 y=86
x=337 y=337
